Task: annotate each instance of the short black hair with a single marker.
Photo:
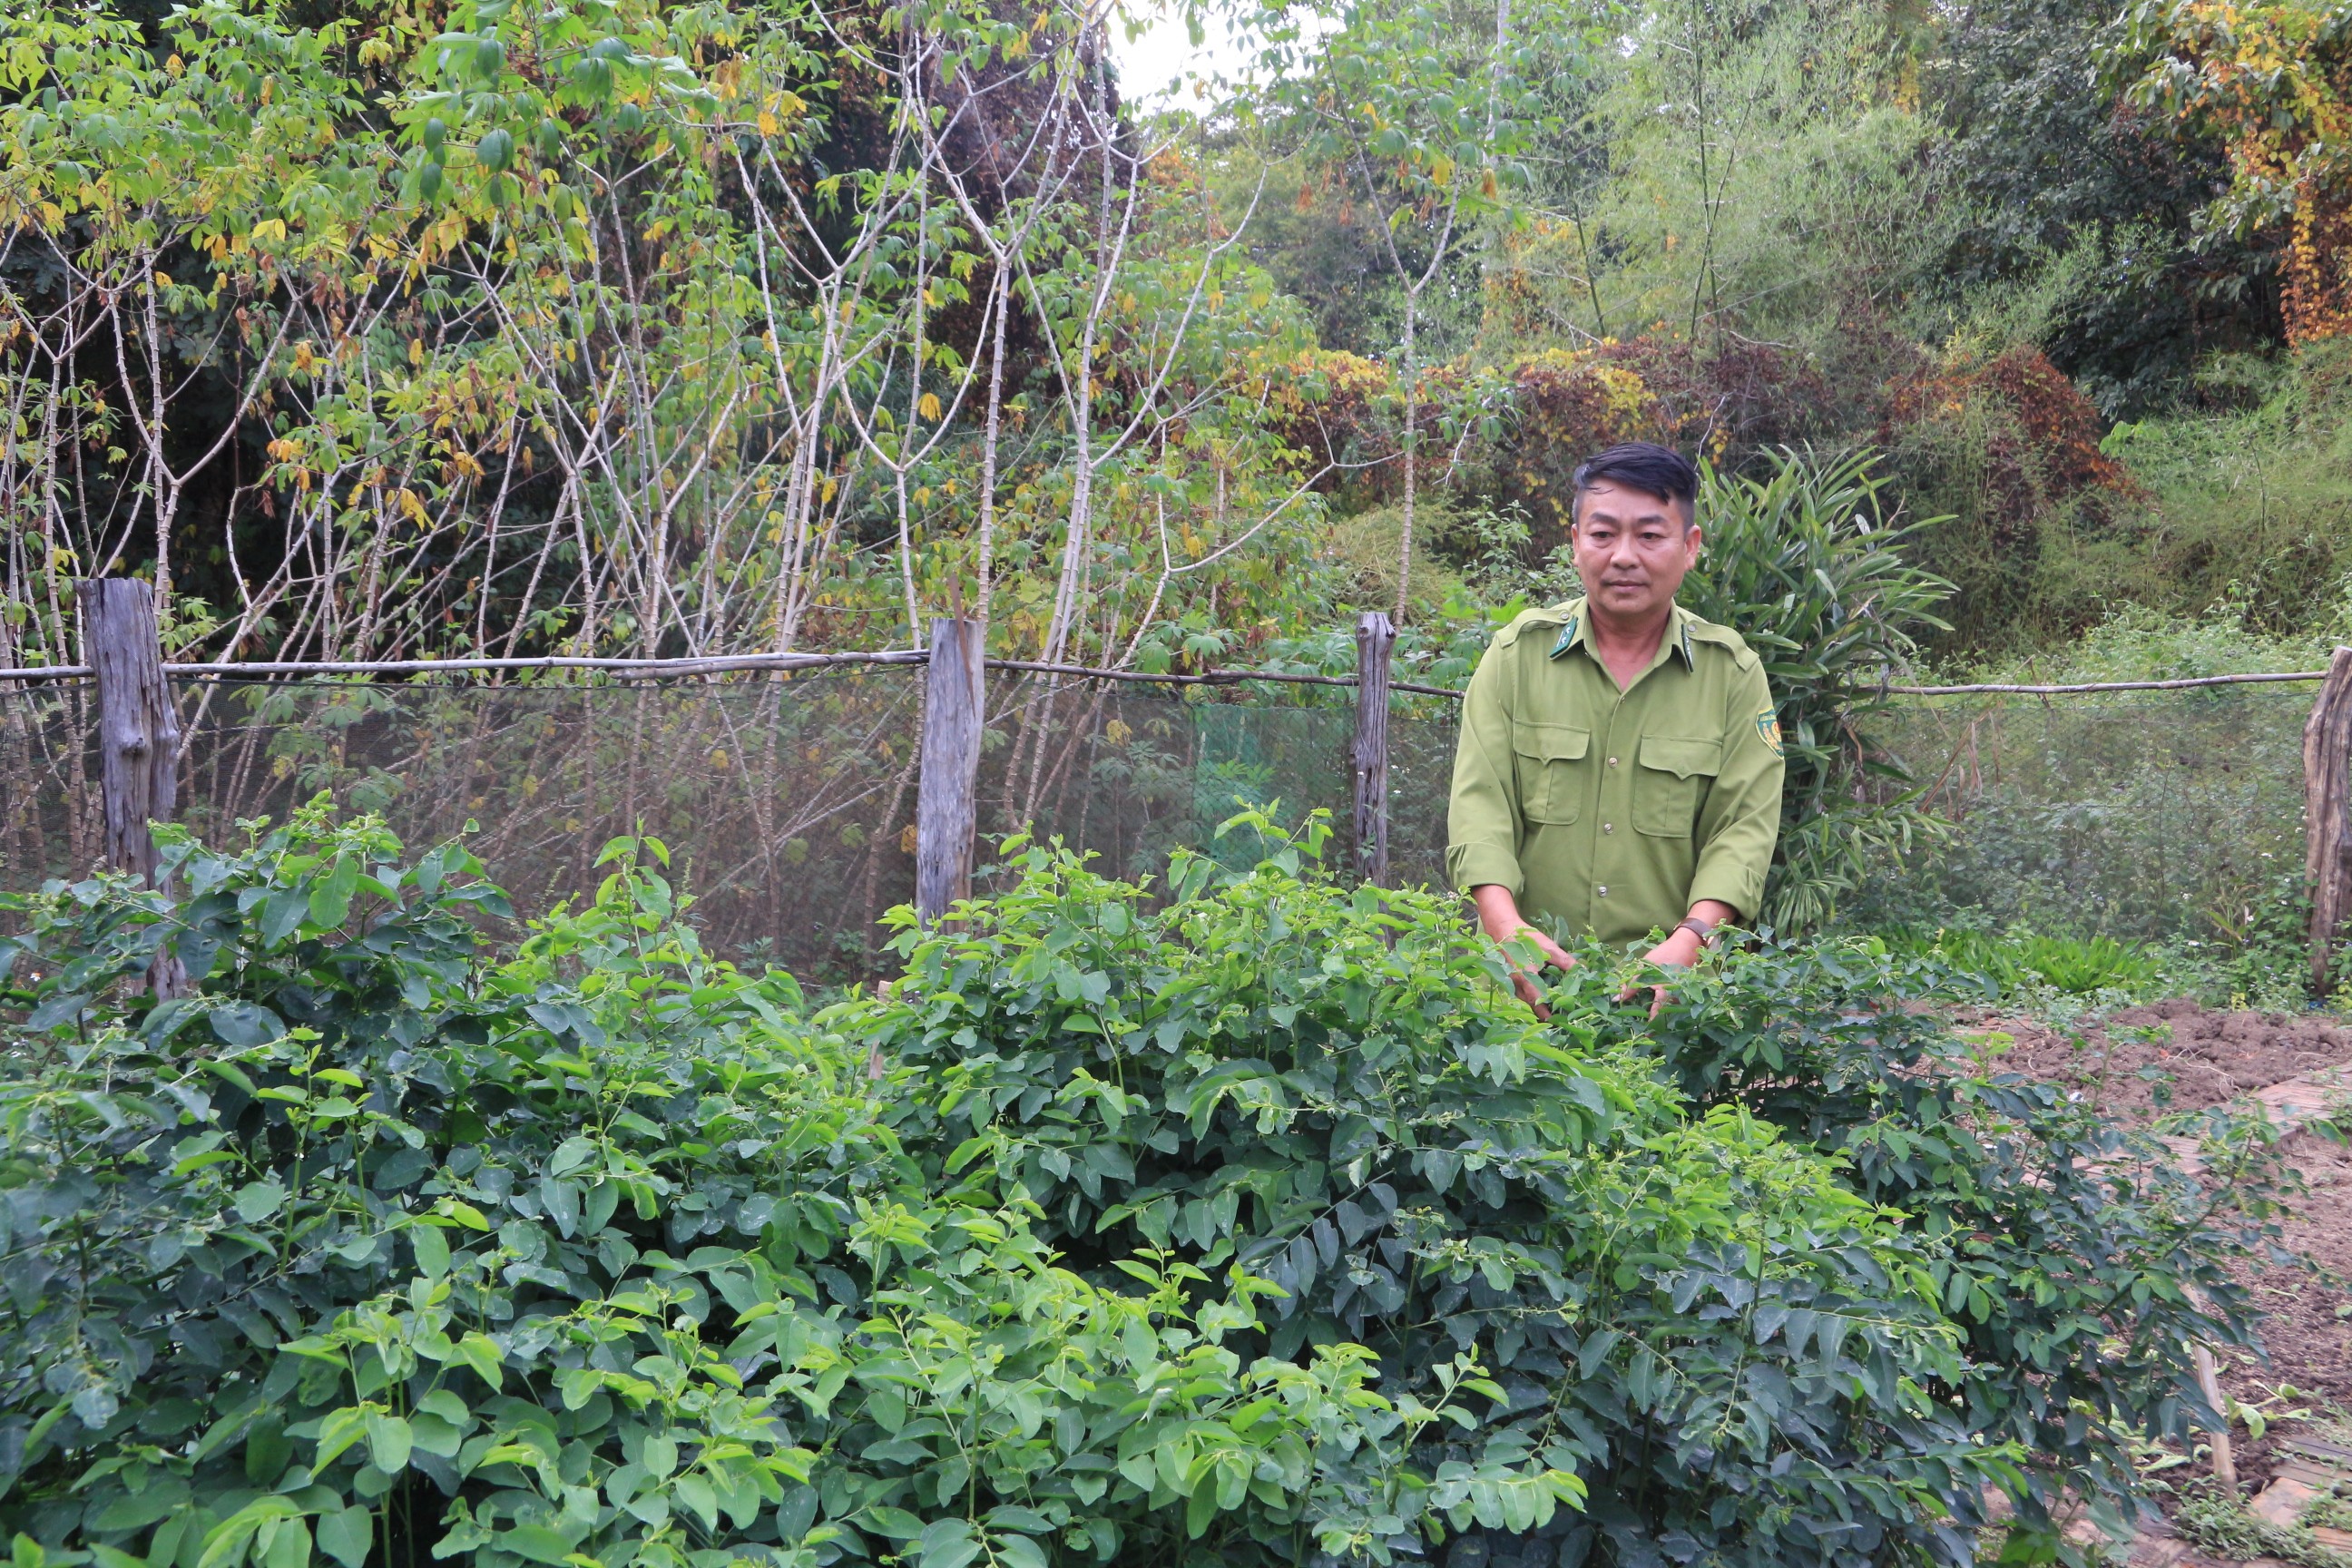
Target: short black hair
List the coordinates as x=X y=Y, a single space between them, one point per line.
x=1643 y=466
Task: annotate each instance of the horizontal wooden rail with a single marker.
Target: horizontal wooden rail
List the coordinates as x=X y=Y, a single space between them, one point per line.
x=654 y=668
x=628 y=669
x=2079 y=688
x=657 y=668
x=1210 y=678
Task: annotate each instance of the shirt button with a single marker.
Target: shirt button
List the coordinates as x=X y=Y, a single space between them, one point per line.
x=1603 y=891
x=1613 y=762
x=1608 y=828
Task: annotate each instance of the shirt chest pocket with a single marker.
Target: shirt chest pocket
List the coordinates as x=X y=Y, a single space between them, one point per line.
x=1670 y=786
x=1552 y=764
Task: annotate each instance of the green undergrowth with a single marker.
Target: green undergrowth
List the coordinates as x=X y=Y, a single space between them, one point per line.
x=2023 y=964
x=2217 y=1521
x=1250 y=1219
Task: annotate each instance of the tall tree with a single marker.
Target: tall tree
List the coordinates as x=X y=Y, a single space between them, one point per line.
x=1426 y=114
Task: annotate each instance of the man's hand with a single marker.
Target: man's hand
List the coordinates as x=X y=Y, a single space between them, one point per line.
x=1681 y=949
x=1498 y=916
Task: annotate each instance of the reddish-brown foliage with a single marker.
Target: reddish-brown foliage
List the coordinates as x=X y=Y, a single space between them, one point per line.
x=2037 y=435
x=1569 y=406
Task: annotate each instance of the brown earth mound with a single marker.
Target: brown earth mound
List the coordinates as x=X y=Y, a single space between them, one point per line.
x=2202 y=1058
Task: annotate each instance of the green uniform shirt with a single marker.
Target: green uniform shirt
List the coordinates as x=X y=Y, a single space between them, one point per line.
x=1616 y=811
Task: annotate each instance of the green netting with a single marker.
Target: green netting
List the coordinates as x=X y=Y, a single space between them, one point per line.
x=790 y=805
x=2137 y=814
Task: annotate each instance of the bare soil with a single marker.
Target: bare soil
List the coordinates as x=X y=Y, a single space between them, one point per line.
x=2176 y=1055
x=2196 y=1057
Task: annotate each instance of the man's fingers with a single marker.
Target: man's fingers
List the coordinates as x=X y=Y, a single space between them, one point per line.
x=1658 y=997
x=1525 y=987
x=1524 y=984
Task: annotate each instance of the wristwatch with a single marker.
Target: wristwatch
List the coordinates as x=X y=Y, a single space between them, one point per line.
x=1703 y=931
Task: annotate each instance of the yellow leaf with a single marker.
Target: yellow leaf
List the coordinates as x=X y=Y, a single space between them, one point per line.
x=163 y=279
x=767 y=126
x=928 y=407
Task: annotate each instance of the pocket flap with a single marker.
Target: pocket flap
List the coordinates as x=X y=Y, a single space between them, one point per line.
x=1683 y=758
x=1551 y=743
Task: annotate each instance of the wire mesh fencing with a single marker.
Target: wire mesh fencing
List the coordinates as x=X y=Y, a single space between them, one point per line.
x=2149 y=814
x=789 y=804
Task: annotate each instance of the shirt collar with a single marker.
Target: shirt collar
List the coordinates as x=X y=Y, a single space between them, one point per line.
x=1577 y=630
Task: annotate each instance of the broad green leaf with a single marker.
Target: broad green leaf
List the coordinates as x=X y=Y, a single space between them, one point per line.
x=389 y=1442
x=289 y=1544
x=480 y=1352
x=431 y=1250
x=258 y=1200
x=947 y=1543
x=346 y=1535
x=535 y=1543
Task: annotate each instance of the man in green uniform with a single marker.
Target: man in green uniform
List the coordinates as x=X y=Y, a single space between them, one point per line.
x=1620 y=760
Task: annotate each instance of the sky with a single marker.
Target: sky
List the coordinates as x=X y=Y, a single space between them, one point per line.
x=1158 y=58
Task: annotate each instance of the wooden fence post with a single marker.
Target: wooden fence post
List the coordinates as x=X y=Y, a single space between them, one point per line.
x=138 y=736
x=947 y=797
x=2328 y=811
x=1375 y=637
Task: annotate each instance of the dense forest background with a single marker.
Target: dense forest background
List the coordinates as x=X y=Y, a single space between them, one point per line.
x=398 y=327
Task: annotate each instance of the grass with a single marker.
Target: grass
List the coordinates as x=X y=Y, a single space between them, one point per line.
x=2022 y=963
x=2217 y=1522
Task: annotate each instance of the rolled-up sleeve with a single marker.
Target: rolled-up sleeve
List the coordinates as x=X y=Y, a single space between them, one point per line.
x=1741 y=821
x=1482 y=817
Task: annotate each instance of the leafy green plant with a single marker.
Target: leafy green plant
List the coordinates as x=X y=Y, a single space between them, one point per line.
x=1250 y=1219
x=2077 y=1260
x=377 y=1250
x=1332 y=1089
x=1806 y=561
x=2018 y=962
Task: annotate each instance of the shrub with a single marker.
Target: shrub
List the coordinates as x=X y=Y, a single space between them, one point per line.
x=1805 y=563
x=1249 y=1220
x=2077 y=1260
x=1333 y=1091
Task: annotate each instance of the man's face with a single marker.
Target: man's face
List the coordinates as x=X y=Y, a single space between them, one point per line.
x=1632 y=549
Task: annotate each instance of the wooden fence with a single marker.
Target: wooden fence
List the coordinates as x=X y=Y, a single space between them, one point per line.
x=138 y=733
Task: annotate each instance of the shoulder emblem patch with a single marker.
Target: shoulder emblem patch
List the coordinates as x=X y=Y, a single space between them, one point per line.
x=1768 y=725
